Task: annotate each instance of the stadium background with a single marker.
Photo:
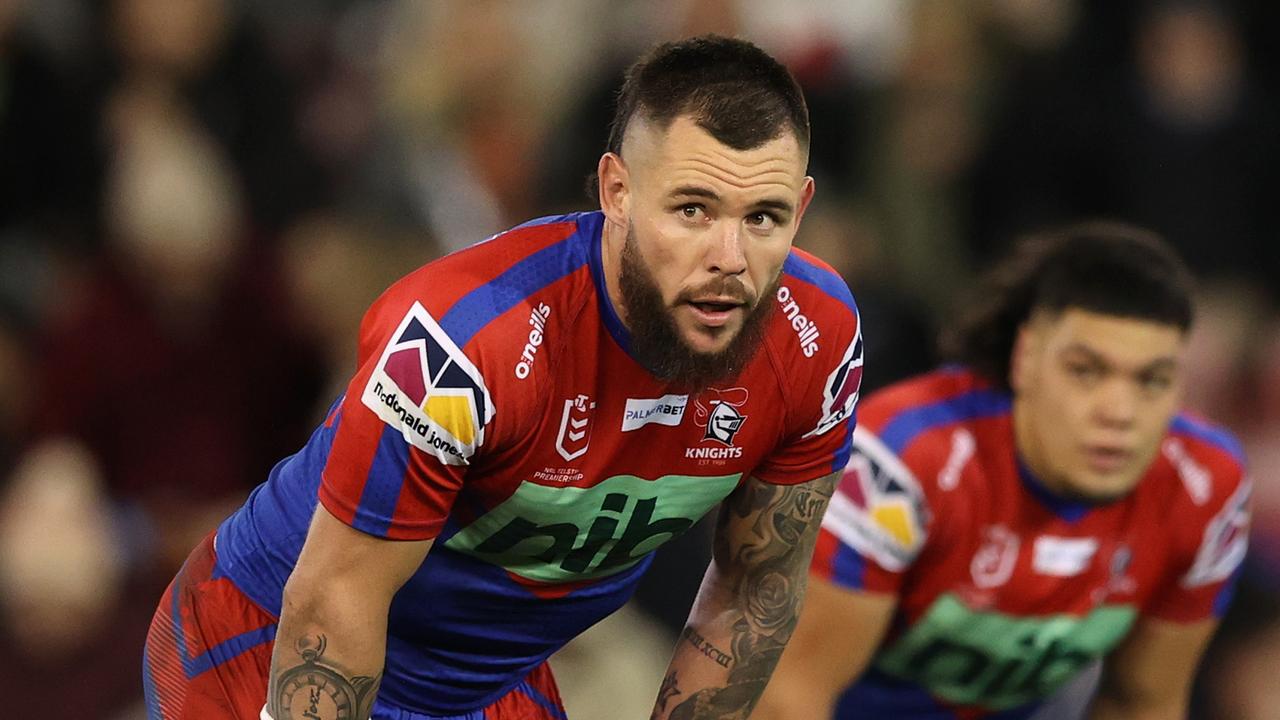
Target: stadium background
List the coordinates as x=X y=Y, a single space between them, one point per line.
x=199 y=197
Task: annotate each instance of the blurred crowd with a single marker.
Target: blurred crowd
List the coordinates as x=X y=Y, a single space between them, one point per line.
x=198 y=199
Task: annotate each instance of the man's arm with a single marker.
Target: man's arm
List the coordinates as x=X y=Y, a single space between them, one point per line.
x=1149 y=676
x=839 y=631
x=331 y=642
x=749 y=602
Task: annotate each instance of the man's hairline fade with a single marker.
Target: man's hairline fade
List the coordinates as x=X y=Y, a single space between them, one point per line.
x=764 y=78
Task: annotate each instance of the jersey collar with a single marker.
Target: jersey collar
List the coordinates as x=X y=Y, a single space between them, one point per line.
x=1067 y=509
x=607 y=312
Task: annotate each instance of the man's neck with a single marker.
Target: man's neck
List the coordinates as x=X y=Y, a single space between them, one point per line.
x=613 y=238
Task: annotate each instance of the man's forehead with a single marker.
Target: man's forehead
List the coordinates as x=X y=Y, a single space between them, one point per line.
x=648 y=140
x=1123 y=339
x=684 y=154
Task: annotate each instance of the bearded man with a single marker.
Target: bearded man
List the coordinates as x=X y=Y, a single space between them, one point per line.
x=532 y=417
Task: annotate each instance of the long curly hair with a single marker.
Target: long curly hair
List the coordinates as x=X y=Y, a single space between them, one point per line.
x=1104 y=267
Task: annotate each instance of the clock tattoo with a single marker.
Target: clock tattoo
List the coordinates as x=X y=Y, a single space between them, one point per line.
x=317 y=690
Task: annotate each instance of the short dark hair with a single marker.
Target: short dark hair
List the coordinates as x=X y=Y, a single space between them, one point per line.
x=732 y=89
x=1104 y=267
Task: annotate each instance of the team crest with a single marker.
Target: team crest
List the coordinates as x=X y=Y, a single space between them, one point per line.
x=426 y=386
x=840 y=397
x=719 y=415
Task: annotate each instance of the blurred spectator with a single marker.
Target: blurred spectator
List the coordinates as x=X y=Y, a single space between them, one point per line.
x=15 y=388
x=177 y=362
x=169 y=380
x=466 y=100
x=212 y=56
x=334 y=267
x=50 y=170
x=1179 y=139
x=69 y=615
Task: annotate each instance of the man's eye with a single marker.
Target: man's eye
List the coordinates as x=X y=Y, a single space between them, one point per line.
x=1083 y=372
x=1156 y=383
x=691 y=212
x=762 y=220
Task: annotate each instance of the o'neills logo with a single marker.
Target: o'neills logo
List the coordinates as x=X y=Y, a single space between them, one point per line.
x=538 y=319
x=806 y=329
x=415 y=423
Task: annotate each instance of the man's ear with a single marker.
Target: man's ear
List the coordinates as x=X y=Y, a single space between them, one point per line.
x=1024 y=344
x=806 y=196
x=614 y=188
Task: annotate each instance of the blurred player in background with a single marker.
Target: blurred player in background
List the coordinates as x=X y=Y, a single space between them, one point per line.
x=540 y=412
x=1004 y=524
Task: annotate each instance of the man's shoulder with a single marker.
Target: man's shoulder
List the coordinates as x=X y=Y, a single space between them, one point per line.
x=466 y=290
x=812 y=289
x=1202 y=461
x=911 y=410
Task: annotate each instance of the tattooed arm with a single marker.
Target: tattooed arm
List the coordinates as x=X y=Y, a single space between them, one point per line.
x=331 y=642
x=749 y=602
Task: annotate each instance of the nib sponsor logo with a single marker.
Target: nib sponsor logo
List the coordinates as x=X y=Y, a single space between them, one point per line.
x=427 y=387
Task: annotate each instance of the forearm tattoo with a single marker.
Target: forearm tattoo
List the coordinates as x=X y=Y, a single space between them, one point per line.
x=319 y=689
x=705 y=647
x=783 y=526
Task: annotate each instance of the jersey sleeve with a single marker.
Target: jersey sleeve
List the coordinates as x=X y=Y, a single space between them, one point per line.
x=413 y=416
x=877 y=522
x=1203 y=579
x=819 y=444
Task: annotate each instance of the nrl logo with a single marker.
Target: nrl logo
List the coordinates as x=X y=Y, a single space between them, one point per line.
x=575 y=427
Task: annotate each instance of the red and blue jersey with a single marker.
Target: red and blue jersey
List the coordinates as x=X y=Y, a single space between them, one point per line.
x=497 y=411
x=1005 y=591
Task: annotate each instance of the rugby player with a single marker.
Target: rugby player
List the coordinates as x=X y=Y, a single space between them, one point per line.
x=1006 y=522
x=531 y=418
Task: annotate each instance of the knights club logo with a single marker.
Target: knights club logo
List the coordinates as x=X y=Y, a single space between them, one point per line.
x=717 y=412
x=575 y=427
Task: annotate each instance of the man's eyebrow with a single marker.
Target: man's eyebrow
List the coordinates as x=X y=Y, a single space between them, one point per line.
x=1088 y=353
x=775 y=204
x=1159 y=364
x=1156 y=365
x=696 y=191
x=781 y=206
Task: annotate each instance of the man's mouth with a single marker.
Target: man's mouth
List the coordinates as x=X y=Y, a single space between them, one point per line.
x=1107 y=458
x=714 y=312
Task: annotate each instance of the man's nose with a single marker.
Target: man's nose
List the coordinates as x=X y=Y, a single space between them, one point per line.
x=726 y=256
x=1117 y=403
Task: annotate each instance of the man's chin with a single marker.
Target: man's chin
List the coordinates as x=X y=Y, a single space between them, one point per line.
x=1095 y=490
x=706 y=342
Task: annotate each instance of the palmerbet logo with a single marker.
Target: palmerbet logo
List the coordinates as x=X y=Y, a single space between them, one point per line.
x=556 y=534
x=425 y=385
x=966 y=657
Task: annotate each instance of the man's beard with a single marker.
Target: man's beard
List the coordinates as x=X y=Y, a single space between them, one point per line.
x=656 y=342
